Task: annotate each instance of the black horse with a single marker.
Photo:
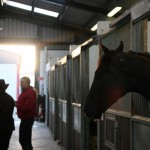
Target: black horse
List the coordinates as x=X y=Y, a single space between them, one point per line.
x=118 y=73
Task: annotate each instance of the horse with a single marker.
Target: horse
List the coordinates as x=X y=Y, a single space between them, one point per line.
x=117 y=74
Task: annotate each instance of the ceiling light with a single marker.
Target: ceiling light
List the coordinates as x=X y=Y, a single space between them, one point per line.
x=114 y=11
x=19 y=5
x=94 y=28
x=46 y=12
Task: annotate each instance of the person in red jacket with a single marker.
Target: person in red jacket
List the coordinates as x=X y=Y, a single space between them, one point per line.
x=26 y=111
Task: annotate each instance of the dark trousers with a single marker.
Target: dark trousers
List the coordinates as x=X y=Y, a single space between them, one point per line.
x=4 y=139
x=25 y=133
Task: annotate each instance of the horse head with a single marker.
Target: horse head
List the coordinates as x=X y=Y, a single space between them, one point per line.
x=108 y=86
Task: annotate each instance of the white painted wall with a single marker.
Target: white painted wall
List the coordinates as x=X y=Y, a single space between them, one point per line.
x=93 y=62
x=148 y=36
x=103 y=27
x=56 y=55
x=9 y=73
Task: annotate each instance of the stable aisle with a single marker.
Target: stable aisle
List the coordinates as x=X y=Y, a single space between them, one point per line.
x=41 y=138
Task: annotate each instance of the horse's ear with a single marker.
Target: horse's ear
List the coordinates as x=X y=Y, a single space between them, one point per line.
x=105 y=49
x=120 y=47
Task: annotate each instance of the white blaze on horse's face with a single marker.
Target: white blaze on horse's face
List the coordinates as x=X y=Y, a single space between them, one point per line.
x=107 y=87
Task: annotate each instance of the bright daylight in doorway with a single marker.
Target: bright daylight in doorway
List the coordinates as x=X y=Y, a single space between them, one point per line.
x=27 y=53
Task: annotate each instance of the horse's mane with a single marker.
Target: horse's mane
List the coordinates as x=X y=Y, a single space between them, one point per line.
x=146 y=54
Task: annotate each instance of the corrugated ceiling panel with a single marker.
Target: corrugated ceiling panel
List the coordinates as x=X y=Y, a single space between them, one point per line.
x=96 y=3
x=53 y=35
x=77 y=16
x=49 y=6
x=12 y=28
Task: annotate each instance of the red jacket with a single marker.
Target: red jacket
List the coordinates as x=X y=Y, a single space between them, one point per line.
x=26 y=104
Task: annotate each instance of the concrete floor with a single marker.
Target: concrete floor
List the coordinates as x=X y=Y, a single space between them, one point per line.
x=41 y=138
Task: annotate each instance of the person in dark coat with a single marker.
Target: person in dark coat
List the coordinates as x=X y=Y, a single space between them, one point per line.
x=26 y=110
x=6 y=116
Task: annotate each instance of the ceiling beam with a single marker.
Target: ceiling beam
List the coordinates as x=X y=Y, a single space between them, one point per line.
x=61 y=15
x=33 y=41
x=79 y=6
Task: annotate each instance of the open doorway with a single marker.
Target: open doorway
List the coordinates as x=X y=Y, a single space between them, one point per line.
x=12 y=72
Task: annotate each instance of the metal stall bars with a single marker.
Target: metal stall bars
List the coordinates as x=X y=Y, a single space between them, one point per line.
x=64 y=102
x=80 y=128
x=47 y=113
x=89 y=63
x=140 y=119
x=47 y=86
x=57 y=102
x=75 y=100
x=57 y=114
x=53 y=103
x=117 y=118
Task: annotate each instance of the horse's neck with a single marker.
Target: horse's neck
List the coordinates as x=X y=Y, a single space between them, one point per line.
x=137 y=70
x=138 y=66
